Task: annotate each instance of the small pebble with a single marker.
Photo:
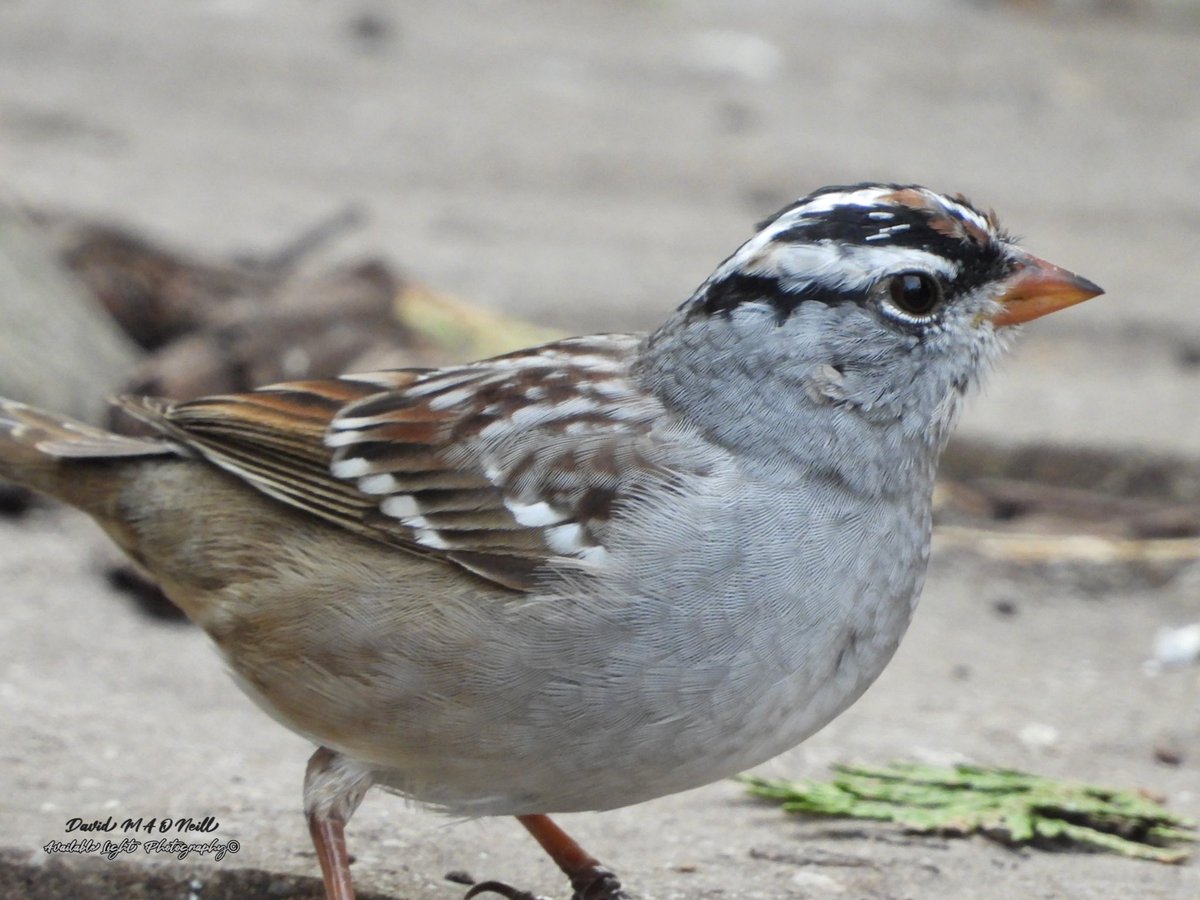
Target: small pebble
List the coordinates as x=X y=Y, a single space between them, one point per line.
x=1038 y=736
x=1177 y=646
x=735 y=54
x=1005 y=608
x=817 y=882
x=1168 y=756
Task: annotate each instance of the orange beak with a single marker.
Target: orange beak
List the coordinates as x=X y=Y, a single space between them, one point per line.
x=1038 y=288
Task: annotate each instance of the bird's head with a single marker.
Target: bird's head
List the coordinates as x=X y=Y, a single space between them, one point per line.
x=881 y=301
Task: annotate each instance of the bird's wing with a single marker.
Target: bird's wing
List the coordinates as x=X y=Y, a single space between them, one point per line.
x=498 y=466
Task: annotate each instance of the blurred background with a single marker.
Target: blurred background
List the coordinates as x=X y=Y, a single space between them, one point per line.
x=537 y=167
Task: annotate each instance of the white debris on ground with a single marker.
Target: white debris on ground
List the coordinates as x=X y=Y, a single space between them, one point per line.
x=1175 y=647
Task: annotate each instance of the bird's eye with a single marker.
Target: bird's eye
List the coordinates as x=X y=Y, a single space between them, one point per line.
x=914 y=293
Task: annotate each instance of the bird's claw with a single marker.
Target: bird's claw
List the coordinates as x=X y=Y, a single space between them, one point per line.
x=597 y=883
x=499 y=887
x=594 y=884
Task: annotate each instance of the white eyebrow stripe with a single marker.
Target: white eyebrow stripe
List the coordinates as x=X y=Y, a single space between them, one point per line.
x=844 y=266
x=879 y=261
x=841 y=266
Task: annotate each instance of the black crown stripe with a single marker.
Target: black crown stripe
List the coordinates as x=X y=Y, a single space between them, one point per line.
x=724 y=296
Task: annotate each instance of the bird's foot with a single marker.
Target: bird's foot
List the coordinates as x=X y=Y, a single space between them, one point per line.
x=499 y=887
x=596 y=883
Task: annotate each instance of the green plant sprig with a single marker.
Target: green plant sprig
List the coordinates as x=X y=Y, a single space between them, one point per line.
x=1012 y=807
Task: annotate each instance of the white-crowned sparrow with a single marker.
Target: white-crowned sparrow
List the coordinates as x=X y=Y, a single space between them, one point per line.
x=589 y=573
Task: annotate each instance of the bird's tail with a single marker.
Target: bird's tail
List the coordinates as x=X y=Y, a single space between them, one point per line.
x=45 y=452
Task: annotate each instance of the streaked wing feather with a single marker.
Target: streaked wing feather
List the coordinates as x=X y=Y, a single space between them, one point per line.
x=273 y=439
x=520 y=427
x=496 y=466
x=67 y=439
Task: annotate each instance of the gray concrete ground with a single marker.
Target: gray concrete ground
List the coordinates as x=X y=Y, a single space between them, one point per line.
x=586 y=165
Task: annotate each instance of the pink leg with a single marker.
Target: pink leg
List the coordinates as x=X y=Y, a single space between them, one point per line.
x=333 y=788
x=329 y=837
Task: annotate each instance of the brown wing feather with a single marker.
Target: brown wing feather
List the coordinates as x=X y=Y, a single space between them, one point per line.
x=496 y=467
x=272 y=438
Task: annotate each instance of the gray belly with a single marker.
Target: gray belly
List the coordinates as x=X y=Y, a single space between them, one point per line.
x=695 y=659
